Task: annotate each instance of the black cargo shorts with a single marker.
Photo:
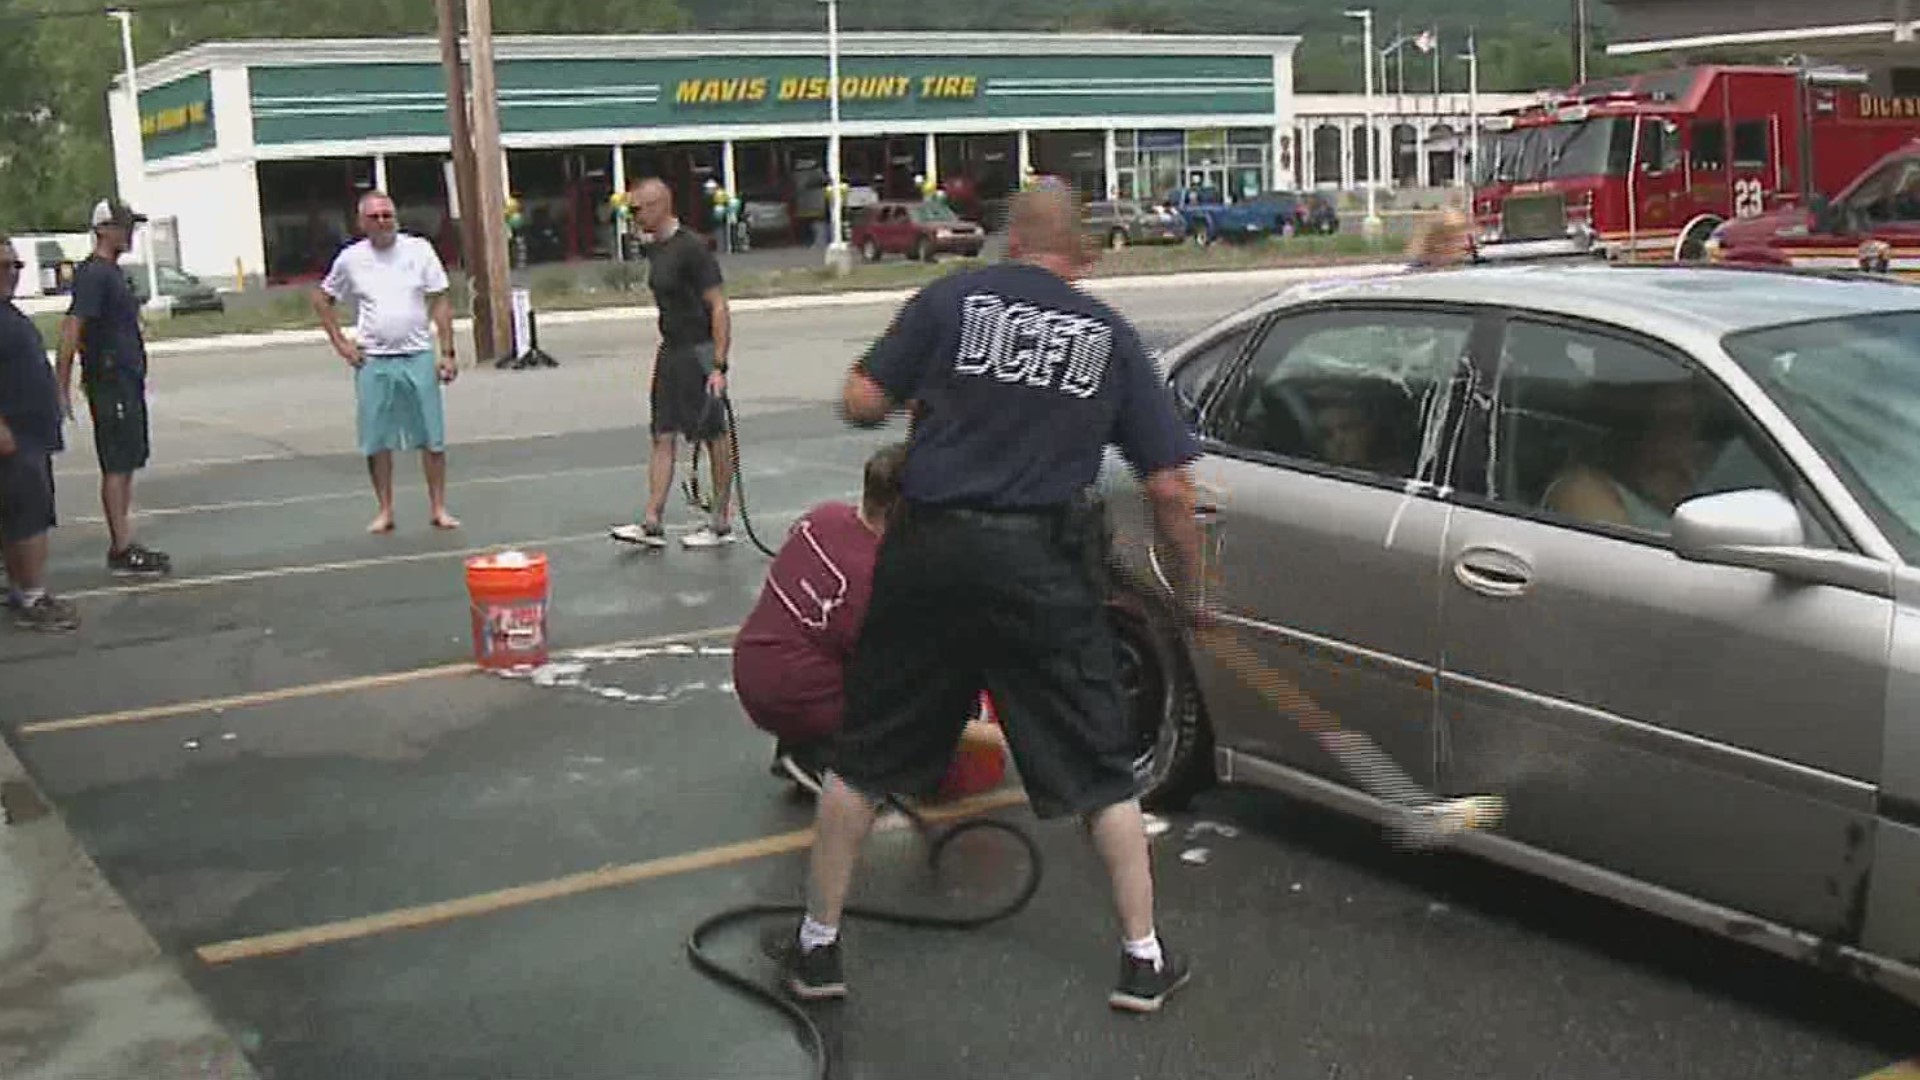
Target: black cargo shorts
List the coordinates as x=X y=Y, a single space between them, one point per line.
x=1012 y=603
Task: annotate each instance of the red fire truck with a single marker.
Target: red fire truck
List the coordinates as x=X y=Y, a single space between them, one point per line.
x=1649 y=166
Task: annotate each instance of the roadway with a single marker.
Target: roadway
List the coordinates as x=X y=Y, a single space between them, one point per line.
x=372 y=862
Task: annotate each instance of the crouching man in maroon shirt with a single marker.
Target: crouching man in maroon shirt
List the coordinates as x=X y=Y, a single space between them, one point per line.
x=789 y=657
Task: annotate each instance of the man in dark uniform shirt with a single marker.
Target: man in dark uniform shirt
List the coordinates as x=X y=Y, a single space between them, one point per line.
x=993 y=576
x=689 y=370
x=103 y=327
x=29 y=437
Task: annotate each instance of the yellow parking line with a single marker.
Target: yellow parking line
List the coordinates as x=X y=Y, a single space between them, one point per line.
x=321 y=689
x=467 y=907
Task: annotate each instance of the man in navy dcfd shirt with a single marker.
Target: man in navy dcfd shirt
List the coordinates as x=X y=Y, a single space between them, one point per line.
x=103 y=329
x=993 y=576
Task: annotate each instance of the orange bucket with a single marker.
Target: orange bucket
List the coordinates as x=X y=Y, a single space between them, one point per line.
x=976 y=769
x=507 y=598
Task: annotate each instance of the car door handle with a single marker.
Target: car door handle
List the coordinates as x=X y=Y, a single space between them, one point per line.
x=1492 y=571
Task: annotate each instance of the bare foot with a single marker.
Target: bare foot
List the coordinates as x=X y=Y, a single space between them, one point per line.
x=382 y=523
x=444 y=520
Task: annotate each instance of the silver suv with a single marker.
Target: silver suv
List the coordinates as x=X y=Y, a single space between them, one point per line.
x=1637 y=549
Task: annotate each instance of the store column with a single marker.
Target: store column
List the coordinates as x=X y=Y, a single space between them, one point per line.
x=1309 y=166
x=1422 y=172
x=1113 y=165
x=1025 y=161
x=380 y=174
x=1348 y=180
x=932 y=156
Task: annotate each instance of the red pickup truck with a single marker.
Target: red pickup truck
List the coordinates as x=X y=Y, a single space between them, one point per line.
x=1872 y=224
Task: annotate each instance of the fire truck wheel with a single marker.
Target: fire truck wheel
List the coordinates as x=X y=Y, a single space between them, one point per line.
x=1693 y=246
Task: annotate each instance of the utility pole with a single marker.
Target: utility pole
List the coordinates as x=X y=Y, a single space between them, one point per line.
x=154 y=299
x=1579 y=41
x=489 y=166
x=465 y=184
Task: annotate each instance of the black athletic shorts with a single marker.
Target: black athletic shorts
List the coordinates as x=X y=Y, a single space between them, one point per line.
x=680 y=402
x=26 y=495
x=1012 y=603
x=119 y=407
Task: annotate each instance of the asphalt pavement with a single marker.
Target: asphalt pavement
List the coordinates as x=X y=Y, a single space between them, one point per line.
x=373 y=862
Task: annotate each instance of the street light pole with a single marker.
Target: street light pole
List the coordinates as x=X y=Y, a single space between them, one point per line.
x=836 y=246
x=1472 y=57
x=1372 y=224
x=139 y=152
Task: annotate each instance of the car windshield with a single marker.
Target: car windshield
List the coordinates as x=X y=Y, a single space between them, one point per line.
x=169 y=276
x=1852 y=387
x=934 y=212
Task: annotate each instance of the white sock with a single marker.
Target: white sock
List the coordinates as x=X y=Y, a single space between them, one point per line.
x=1147 y=948
x=815 y=935
x=30 y=597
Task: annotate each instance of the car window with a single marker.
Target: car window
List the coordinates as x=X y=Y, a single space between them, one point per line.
x=1345 y=388
x=1197 y=372
x=1601 y=431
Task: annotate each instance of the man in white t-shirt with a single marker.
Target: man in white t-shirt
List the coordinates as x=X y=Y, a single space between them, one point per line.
x=399 y=285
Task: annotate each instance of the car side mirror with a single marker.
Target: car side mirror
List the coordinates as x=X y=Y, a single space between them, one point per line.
x=1762 y=530
x=1737 y=519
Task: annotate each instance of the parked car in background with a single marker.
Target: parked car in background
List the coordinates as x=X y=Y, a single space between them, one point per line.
x=1636 y=548
x=1209 y=217
x=918 y=230
x=1120 y=223
x=1297 y=211
x=185 y=292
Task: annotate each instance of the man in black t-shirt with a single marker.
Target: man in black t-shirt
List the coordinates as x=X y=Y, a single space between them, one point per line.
x=689 y=369
x=29 y=437
x=103 y=327
x=993 y=575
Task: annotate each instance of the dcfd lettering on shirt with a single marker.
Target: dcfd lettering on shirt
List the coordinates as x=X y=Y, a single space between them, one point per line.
x=1019 y=341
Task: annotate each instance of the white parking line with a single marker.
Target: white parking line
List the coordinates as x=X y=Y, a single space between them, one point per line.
x=304 y=569
x=357 y=493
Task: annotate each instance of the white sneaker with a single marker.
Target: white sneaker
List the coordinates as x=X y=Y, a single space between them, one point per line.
x=652 y=536
x=707 y=536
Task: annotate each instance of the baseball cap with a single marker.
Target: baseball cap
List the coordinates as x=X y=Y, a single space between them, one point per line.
x=115 y=212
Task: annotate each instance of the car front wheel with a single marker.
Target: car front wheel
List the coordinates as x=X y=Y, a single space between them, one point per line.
x=1172 y=743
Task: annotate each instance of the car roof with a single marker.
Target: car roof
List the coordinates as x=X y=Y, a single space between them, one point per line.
x=1667 y=301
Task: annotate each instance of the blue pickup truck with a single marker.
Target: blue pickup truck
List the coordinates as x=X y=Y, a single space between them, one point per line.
x=1209 y=217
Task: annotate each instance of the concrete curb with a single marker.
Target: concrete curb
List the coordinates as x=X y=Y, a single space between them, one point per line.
x=85 y=991
x=859 y=298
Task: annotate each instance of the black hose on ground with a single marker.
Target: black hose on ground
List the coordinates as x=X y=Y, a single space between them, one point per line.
x=936 y=843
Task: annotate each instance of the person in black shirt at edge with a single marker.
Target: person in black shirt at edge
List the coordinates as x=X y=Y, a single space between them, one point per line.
x=689 y=369
x=29 y=437
x=993 y=575
x=103 y=327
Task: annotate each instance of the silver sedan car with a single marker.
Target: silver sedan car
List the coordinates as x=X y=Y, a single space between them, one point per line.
x=1636 y=549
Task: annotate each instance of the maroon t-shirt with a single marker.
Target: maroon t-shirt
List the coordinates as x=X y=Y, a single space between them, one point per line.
x=791 y=649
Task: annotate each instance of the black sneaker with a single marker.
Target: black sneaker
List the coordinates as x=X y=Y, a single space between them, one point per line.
x=812 y=974
x=48 y=614
x=1144 y=989
x=138 y=561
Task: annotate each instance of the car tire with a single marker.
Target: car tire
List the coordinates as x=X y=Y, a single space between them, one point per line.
x=870 y=251
x=1203 y=234
x=922 y=251
x=1117 y=240
x=1173 y=742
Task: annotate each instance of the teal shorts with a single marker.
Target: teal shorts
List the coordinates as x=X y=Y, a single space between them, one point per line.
x=399 y=404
